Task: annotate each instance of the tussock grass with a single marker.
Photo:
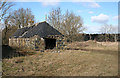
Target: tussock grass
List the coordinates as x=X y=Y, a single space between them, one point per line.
x=92 y=59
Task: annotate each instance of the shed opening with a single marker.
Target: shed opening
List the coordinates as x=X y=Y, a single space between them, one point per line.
x=50 y=43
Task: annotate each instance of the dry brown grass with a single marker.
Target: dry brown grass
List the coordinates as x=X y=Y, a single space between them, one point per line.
x=0 y=66
x=92 y=59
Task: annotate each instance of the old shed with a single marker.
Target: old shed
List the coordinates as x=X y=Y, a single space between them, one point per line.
x=38 y=37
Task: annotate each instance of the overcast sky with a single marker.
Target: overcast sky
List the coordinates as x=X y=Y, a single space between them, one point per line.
x=94 y=14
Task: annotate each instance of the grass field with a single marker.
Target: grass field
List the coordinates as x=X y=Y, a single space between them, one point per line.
x=0 y=68
x=81 y=59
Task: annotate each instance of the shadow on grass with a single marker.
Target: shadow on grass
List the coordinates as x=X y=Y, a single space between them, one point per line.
x=9 y=52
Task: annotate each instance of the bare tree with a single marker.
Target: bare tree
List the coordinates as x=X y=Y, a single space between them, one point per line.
x=21 y=18
x=0 y=36
x=4 y=13
x=109 y=29
x=115 y=32
x=68 y=24
x=14 y=20
x=72 y=24
x=6 y=28
x=4 y=8
x=106 y=28
x=54 y=18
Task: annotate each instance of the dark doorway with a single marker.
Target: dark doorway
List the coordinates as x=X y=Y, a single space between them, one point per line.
x=50 y=43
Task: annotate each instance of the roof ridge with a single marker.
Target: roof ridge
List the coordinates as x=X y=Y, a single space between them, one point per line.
x=36 y=24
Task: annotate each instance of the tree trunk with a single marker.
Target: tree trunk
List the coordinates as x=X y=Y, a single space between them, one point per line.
x=106 y=37
x=5 y=35
x=115 y=37
x=90 y=36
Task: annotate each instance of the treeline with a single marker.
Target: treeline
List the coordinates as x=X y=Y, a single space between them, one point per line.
x=71 y=25
x=96 y=37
